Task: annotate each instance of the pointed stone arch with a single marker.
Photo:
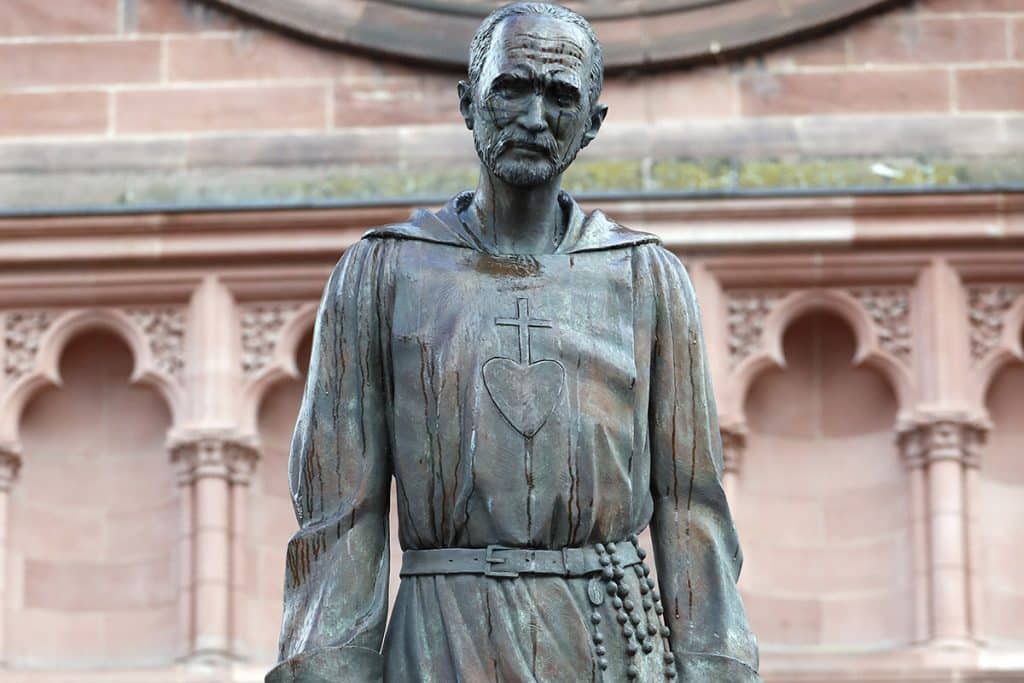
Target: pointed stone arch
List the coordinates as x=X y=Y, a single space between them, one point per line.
x=869 y=351
x=94 y=515
x=1008 y=349
x=822 y=503
x=44 y=369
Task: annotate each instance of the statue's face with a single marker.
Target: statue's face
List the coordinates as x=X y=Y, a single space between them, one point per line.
x=531 y=112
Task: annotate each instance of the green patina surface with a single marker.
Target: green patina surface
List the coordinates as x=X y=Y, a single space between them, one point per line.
x=298 y=185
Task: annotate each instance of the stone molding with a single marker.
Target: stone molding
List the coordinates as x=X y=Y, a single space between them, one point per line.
x=262 y=325
x=214 y=455
x=10 y=464
x=635 y=33
x=734 y=230
x=22 y=334
x=987 y=306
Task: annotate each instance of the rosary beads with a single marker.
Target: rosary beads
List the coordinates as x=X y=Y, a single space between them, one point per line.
x=638 y=618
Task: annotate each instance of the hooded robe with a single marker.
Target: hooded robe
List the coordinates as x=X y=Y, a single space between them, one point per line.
x=543 y=401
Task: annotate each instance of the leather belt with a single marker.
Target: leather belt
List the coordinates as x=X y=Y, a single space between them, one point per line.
x=502 y=562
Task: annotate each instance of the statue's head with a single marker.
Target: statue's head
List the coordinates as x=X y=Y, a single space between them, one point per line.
x=535 y=75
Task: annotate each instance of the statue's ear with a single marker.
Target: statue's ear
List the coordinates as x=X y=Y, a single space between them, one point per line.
x=466 y=103
x=596 y=119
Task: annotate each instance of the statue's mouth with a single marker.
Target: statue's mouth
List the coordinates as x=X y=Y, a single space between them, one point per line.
x=534 y=147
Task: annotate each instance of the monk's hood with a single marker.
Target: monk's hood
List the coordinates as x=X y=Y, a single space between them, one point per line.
x=593 y=232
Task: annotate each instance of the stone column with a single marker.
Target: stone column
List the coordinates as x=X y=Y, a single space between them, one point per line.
x=209 y=463
x=10 y=463
x=972 y=514
x=734 y=442
x=215 y=459
x=912 y=449
x=241 y=465
x=946 y=432
x=186 y=540
x=946 y=445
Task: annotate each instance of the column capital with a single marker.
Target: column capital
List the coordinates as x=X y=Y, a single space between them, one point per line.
x=942 y=436
x=911 y=439
x=734 y=443
x=10 y=463
x=225 y=455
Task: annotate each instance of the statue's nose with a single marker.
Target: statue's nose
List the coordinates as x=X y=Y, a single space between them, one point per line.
x=532 y=118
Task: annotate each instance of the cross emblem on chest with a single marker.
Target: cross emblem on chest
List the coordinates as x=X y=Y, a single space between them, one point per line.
x=525 y=391
x=524 y=323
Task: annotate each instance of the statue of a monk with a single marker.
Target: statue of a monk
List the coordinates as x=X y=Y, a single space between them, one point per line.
x=535 y=380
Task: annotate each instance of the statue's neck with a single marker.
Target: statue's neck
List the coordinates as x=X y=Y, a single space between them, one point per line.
x=519 y=220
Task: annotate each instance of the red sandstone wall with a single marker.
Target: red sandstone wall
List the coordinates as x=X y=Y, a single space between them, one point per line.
x=113 y=69
x=94 y=521
x=141 y=70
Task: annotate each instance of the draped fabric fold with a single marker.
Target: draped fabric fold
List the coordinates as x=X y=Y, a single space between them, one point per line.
x=339 y=475
x=695 y=543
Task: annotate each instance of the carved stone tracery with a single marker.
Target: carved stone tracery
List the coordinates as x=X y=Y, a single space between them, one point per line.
x=23 y=331
x=165 y=332
x=747 y=313
x=987 y=306
x=261 y=329
x=890 y=310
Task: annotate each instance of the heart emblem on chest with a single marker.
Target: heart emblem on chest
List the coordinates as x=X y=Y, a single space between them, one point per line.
x=525 y=395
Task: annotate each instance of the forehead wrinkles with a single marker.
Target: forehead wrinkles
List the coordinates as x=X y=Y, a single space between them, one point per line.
x=546 y=49
x=547 y=59
x=541 y=41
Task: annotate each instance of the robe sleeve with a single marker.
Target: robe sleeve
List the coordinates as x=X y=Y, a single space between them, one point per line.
x=696 y=548
x=336 y=577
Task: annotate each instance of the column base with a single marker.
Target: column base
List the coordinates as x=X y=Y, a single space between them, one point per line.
x=953 y=653
x=207 y=660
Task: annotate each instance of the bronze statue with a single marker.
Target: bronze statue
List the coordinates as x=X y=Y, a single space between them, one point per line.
x=535 y=381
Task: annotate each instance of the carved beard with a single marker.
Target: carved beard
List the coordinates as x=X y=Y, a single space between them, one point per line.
x=491 y=143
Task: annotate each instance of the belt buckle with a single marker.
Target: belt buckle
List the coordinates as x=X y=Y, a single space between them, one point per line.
x=491 y=560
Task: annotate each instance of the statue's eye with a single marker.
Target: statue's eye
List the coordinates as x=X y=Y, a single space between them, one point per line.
x=510 y=87
x=565 y=96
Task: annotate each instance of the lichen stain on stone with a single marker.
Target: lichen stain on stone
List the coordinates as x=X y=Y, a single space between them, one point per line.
x=617 y=174
x=706 y=174
x=326 y=183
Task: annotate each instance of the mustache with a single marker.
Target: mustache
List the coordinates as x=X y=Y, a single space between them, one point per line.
x=542 y=143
